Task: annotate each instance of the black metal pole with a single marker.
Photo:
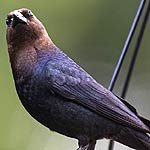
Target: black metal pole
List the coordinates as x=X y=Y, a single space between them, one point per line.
x=122 y=56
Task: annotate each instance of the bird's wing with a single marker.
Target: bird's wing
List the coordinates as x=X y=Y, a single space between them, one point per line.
x=144 y=120
x=70 y=81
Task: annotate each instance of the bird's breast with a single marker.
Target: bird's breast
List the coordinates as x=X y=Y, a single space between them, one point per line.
x=35 y=97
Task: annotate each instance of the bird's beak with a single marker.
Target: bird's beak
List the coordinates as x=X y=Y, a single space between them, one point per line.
x=17 y=18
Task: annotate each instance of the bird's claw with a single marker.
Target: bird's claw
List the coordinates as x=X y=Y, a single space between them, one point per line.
x=83 y=147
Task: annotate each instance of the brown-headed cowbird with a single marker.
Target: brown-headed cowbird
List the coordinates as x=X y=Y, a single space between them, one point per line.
x=61 y=95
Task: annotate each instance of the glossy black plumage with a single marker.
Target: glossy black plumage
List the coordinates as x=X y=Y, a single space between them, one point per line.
x=62 y=96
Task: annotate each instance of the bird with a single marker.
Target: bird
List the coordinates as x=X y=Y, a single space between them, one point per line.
x=61 y=95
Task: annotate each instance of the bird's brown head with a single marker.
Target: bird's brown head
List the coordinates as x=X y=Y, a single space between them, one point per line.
x=24 y=29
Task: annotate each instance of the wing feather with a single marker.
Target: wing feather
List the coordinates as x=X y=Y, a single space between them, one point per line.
x=72 y=82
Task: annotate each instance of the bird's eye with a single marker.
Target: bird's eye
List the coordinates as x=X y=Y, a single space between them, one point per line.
x=9 y=20
x=28 y=14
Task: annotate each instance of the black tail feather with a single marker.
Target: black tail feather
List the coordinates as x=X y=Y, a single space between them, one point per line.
x=133 y=139
x=145 y=121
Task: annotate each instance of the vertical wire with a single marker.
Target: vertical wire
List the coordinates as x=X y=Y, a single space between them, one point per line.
x=126 y=45
x=123 y=54
x=136 y=49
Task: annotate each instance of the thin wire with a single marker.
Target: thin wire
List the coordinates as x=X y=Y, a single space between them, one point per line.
x=127 y=43
x=122 y=56
x=136 y=49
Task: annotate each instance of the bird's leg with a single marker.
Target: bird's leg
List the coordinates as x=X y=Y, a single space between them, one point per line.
x=88 y=146
x=83 y=147
x=92 y=145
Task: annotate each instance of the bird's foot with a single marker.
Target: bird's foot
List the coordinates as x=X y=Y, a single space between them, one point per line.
x=83 y=147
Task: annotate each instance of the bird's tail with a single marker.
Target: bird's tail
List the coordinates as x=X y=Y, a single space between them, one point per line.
x=133 y=139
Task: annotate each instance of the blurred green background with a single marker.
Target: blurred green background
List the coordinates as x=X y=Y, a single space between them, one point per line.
x=92 y=32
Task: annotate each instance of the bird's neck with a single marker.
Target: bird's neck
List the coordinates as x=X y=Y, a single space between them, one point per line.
x=22 y=61
x=25 y=57
x=44 y=43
